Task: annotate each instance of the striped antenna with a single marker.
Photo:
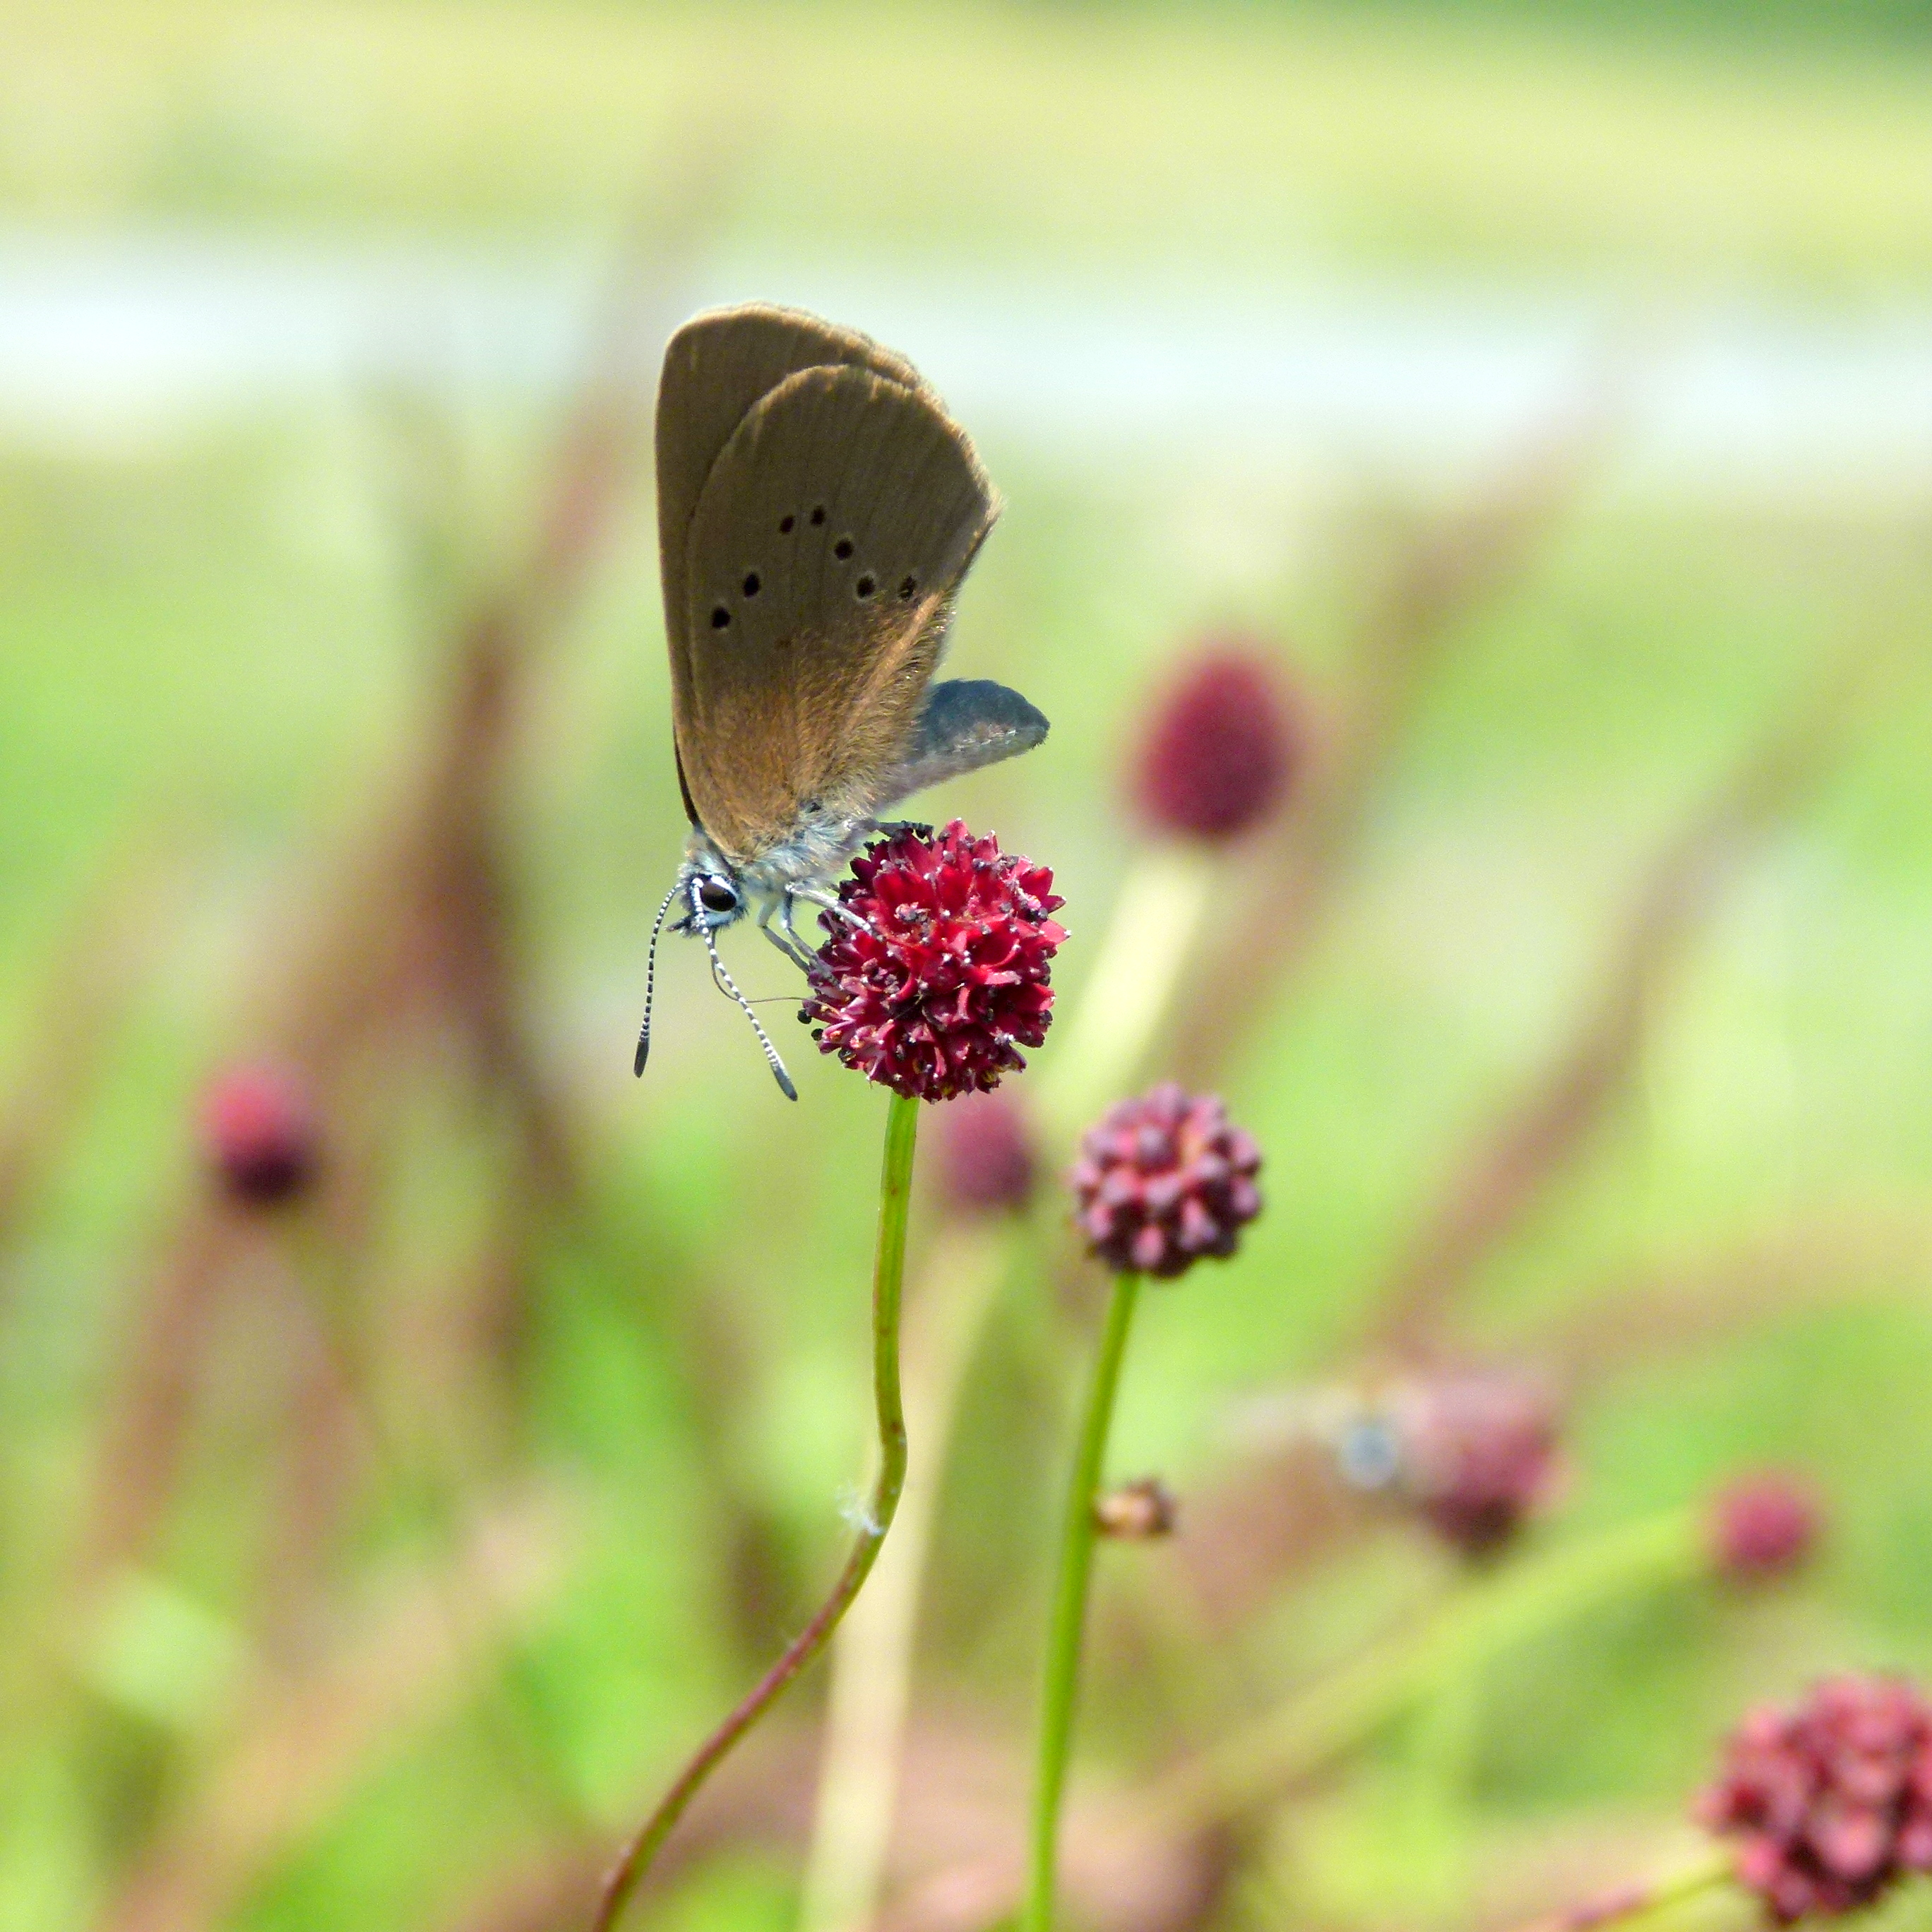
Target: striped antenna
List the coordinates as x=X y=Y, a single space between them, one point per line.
x=650 y=982
x=728 y=985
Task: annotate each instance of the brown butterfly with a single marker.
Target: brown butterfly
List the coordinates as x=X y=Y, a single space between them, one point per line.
x=817 y=510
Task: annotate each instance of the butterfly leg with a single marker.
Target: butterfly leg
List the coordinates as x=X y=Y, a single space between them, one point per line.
x=807 y=958
x=787 y=942
x=828 y=902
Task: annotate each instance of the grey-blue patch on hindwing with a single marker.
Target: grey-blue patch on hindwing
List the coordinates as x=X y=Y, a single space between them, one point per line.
x=968 y=723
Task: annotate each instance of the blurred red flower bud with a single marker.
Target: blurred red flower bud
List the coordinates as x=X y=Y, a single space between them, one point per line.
x=258 y=1129
x=1831 y=1802
x=1138 y=1512
x=985 y=1153
x=1221 y=748
x=1478 y=1453
x=1164 y=1181
x=948 y=976
x=1762 y=1526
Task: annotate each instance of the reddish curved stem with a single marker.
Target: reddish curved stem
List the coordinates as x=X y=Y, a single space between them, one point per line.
x=888 y=1281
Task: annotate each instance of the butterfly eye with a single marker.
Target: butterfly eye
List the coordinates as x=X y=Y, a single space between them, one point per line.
x=715 y=896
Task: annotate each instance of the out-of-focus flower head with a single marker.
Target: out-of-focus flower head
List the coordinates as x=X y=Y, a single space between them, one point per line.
x=1830 y=1802
x=1138 y=1512
x=1222 y=745
x=259 y=1133
x=985 y=1153
x=1474 y=1451
x=1164 y=1181
x=1763 y=1526
x=947 y=977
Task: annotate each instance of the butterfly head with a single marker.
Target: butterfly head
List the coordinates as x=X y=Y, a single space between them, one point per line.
x=712 y=897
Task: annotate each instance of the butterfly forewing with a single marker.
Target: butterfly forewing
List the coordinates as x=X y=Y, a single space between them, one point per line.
x=822 y=557
x=716 y=367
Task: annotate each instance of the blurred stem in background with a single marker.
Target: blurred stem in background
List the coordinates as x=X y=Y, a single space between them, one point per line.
x=1070 y=1607
x=1222 y=747
x=1434 y=1815
x=888 y=1282
x=1157 y=916
x=872 y=1660
x=1540 y=1137
x=1463 y=564
x=99 y=966
x=1488 y=1617
x=292 y=1744
x=1630 y=1905
x=411 y=925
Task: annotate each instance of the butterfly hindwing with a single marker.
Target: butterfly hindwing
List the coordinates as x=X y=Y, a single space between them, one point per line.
x=965 y=725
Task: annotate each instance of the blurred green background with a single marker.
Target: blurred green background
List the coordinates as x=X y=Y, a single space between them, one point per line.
x=1548 y=389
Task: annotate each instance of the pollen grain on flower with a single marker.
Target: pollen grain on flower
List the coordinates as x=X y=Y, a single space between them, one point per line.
x=1828 y=1802
x=947 y=976
x=1164 y=1181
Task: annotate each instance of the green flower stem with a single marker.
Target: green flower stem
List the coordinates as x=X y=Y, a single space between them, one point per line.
x=1070 y=1608
x=1630 y=1905
x=1485 y=1619
x=888 y=1284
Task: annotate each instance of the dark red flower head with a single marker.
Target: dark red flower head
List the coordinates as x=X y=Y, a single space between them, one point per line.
x=985 y=1153
x=935 y=994
x=1221 y=746
x=1163 y=1181
x=1762 y=1526
x=258 y=1132
x=1830 y=1802
x=1478 y=1451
